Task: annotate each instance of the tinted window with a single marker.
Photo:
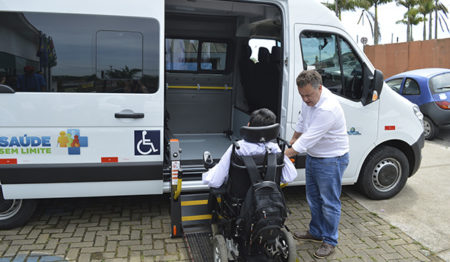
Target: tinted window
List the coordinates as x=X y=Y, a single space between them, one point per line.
x=181 y=54
x=411 y=87
x=213 y=56
x=395 y=84
x=195 y=55
x=80 y=53
x=335 y=60
x=440 y=83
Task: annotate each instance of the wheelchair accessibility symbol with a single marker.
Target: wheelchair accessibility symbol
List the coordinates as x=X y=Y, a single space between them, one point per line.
x=146 y=142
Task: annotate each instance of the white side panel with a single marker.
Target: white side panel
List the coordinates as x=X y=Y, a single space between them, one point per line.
x=56 y=190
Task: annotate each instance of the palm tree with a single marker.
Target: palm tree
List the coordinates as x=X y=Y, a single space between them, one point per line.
x=375 y=4
x=370 y=17
x=345 y=5
x=426 y=7
x=411 y=18
x=408 y=4
x=440 y=15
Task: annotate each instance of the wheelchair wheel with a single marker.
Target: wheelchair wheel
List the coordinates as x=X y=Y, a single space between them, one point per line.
x=285 y=249
x=220 y=249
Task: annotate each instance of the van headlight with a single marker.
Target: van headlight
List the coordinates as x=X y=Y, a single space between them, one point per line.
x=418 y=113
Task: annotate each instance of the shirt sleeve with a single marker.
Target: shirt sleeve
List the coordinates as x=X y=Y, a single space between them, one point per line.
x=217 y=175
x=322 y=122
x=299 y=126
x=289 y=172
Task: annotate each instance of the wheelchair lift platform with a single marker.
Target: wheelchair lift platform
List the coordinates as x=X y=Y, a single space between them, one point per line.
x=189 y=214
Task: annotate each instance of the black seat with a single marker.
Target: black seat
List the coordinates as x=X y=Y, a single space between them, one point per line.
x=238 y=181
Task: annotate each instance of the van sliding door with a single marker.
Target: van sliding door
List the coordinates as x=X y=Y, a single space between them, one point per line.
x=86 y=118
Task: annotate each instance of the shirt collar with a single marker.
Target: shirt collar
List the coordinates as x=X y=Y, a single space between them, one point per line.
x=322 y=98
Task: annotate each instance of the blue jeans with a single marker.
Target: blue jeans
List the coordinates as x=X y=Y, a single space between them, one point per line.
x=323 y=190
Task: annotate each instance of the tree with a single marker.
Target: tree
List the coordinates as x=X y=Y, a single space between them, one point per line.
x=370 y=17
x=408 y=4
x=426 y=7
x=375 y=4
x=345 y=5
x=440 y=16
x=410 y=18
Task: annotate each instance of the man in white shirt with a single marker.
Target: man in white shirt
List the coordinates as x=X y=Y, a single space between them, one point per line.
x=321 y=133
x=217 y=175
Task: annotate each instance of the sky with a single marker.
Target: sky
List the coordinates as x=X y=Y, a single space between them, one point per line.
x=388 y=15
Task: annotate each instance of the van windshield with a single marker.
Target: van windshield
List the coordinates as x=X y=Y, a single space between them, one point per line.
x=440 y=83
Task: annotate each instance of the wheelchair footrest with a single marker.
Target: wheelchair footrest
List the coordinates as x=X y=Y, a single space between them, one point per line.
x=199 y=246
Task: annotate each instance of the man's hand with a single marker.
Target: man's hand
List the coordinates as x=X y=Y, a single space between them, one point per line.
x=290 y=152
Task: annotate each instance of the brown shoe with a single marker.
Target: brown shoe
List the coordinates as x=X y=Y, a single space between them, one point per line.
x=324 y=250
x=306 y=236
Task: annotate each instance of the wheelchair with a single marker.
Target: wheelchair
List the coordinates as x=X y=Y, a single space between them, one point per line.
x=230 y=240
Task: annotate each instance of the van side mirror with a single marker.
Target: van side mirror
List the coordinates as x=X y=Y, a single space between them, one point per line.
x=208 y=162
x=372 y=85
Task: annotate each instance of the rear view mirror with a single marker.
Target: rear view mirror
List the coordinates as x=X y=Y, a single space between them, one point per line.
x=372 y=85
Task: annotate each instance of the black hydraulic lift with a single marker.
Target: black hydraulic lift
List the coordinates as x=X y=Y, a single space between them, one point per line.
x=189 y=214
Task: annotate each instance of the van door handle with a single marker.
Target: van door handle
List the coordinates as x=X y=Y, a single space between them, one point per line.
x=129 y=115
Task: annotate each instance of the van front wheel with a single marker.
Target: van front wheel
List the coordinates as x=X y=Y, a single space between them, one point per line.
x=384 y=173
x=15 y=212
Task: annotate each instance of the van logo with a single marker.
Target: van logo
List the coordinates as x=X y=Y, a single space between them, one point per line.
x=72 y=141
x=146 y=142
x=353 y=132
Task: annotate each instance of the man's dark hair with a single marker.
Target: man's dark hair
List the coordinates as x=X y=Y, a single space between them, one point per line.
x=309 y=77
x=262 y=117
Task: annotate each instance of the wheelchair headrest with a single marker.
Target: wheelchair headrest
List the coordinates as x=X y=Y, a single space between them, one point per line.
x=260 y=134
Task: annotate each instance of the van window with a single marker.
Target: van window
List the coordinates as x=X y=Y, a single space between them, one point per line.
x=213 y=56
x=335 y=60
x=127 y=45
x=80 y=53
x=256 y=43
x=193 y=55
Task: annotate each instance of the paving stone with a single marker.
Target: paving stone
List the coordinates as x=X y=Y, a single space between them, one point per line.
x=138 y=229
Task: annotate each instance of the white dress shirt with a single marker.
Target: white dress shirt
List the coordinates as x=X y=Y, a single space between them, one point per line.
x=323 y=128
x=217 y=175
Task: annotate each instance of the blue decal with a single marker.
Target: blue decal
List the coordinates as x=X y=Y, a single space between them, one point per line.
x=146 y=142
x=25 y=141
x=72 y=140
x=353 y=132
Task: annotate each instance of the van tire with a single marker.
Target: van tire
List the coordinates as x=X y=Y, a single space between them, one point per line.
x=384 y=173
x=430 y=129
x=16 y=212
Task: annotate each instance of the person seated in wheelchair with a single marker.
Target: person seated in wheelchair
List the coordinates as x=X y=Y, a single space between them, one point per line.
x=247 y=180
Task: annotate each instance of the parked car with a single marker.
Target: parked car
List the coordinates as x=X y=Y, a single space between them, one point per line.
x=429 y=88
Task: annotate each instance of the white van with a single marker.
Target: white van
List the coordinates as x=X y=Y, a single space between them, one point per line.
x=93 y=91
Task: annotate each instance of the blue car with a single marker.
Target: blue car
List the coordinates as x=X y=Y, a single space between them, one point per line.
x=429 y=88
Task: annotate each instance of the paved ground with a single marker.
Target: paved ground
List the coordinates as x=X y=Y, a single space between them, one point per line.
x=422 y=209
x=137 y=229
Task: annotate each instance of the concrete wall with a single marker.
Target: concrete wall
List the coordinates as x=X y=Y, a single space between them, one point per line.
x=392 y=59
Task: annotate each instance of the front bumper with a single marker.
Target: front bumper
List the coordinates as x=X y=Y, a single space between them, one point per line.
x=417 y=151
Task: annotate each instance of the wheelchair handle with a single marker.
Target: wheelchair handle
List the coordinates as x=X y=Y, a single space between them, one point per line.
x=285 y=142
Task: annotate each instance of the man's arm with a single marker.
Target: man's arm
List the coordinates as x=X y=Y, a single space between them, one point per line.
x=290 y=152
x=294 y=138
